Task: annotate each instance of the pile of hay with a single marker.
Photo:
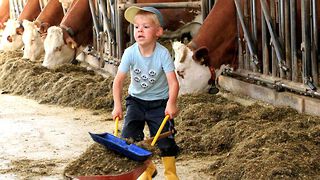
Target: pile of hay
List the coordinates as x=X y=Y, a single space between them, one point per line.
x=242 y=142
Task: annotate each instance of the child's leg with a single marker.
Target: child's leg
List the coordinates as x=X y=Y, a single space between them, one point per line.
x=134 y=121
x=167 y=146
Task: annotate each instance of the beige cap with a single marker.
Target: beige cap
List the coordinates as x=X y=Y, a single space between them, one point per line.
x=132 y=11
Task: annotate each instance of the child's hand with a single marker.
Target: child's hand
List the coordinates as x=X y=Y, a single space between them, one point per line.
x=171 y=110
x=117 y=112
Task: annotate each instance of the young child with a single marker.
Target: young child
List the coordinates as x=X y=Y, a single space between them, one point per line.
x=153 y=89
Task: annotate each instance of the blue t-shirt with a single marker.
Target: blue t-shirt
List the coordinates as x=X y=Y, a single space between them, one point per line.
x=148 y=74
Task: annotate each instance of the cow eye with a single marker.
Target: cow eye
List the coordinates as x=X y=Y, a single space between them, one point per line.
x=57 y=48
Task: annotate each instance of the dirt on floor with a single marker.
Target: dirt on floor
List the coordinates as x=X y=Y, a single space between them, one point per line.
x=257 y=141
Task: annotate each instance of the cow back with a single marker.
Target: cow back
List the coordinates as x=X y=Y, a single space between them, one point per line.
x=4 y=12
x=30 y=11
x=52 y=13
x=79 y=20
x=216 y=42
x=174 y=18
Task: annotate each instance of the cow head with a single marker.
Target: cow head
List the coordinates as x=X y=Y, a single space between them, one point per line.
x=192 y=76
x=56 y=50
x=42 y=27
x=11 y=40
x=33 y=44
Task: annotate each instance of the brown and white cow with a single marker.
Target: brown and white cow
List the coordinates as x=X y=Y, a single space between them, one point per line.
x=216 y=42
x=65 y=42
x=10 y=40
x=34 y=32
x=12 y=35
x=4 y=12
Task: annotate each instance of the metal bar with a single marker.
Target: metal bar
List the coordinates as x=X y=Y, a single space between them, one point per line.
x=277 y=83
x=112 y=12
x=251 y=46
x=275 y=41
x=293 y=26
x=12 y=10
x=167 y=5
x=240 y=50
x=274 y=62
x=118 y=27
x=210 y=5
x=20 y=4
x=94 y=18
x=204 y=8
x=254 y=30
x=287 y=37
x=16 y=8
x=305 y=45
x=246 y=48
x=254 y=22
x=112 y=15
x=281 y=29
x=281 y=21
x=131 y=28
x=314 y=45
x=109 y=27
x=265 y=52
x=41 y=3
x=106 y=21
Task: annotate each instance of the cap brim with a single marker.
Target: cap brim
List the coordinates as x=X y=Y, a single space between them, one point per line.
x=130 y=13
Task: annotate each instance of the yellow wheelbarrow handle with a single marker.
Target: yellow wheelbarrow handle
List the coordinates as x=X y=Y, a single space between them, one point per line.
x=159 y=130
x=116 y=127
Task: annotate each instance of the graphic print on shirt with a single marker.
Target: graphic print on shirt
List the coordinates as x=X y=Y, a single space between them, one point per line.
x=145 y=80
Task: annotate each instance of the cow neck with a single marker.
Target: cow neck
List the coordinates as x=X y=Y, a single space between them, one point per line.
x=192 y=45
x=68 y=29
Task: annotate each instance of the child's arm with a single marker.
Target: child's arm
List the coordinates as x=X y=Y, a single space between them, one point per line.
x=172 y=108
x=117 y=90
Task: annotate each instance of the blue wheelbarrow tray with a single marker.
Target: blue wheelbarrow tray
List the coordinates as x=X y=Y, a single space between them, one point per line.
x=119 y=145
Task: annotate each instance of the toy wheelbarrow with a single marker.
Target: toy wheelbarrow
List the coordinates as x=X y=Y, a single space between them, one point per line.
x=131 y=151
x=131 y=175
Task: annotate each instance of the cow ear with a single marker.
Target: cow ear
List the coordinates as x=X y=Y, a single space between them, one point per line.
x=37 y=23
x=201 y=55
x=20 y=30
x=71 y=43
x=44 y=27
x=2 y=25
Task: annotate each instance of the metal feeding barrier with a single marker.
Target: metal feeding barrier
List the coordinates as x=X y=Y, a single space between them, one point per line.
x=109 y=29
x=16 y=7
x=272 y=56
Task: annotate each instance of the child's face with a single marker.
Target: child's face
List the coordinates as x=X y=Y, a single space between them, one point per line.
x=146 y=31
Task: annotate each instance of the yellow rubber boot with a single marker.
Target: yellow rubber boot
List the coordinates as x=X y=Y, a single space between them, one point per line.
x=149 y=173
x=170 y=171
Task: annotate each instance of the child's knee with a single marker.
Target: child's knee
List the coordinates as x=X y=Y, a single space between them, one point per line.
x=170 y=151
